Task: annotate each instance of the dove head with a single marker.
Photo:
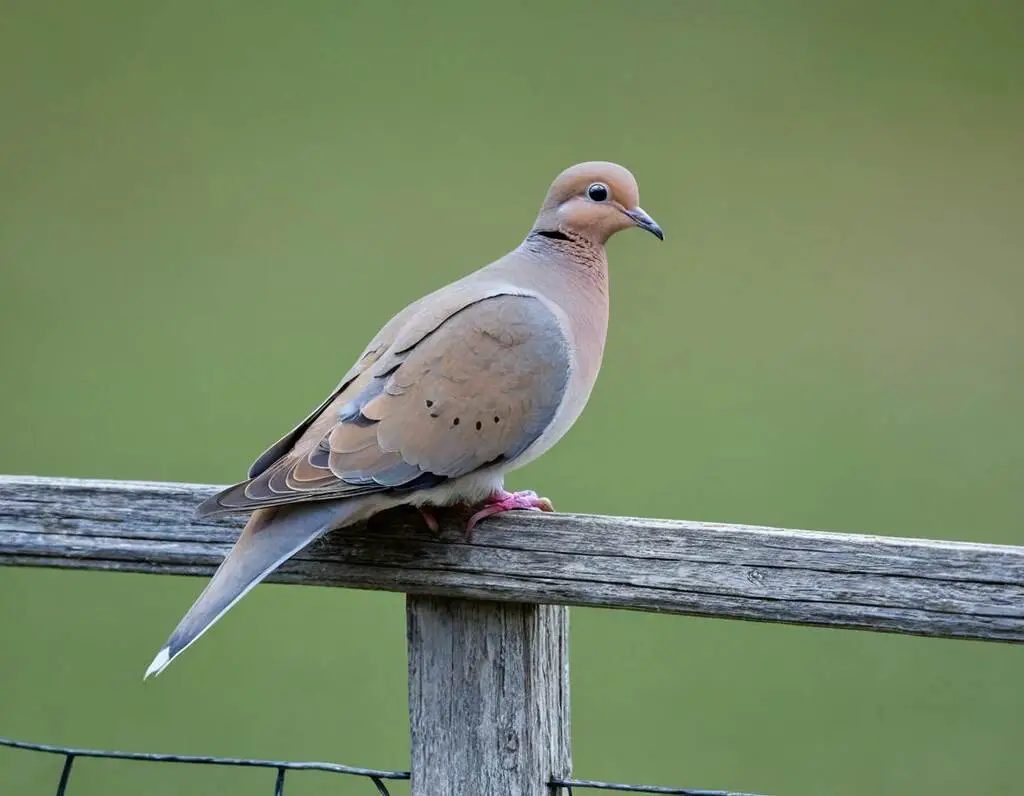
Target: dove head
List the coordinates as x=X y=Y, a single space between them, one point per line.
x=594 y=201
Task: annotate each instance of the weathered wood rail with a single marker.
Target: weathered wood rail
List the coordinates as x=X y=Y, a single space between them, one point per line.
x=514 y=570
x=916 y=586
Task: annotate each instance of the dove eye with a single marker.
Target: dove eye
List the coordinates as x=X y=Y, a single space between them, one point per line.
x=598 y=192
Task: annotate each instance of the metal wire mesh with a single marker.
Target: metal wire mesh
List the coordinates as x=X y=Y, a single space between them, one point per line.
x=377 y=777
x=571 y=784
x=70 y=754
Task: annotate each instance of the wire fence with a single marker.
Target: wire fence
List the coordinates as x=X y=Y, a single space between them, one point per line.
x=377 y=777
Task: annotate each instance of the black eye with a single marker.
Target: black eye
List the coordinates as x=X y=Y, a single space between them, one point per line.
x=597 y=192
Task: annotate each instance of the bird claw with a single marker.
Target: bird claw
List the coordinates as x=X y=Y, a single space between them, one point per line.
x=500 y=501
x=429 y=519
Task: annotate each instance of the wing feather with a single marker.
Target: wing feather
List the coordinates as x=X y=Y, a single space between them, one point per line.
x=458 y=395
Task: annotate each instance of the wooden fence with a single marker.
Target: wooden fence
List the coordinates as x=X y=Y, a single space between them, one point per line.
x=487 y=619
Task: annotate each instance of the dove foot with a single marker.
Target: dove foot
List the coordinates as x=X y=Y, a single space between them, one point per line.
x=508 y=501
x=429 y=519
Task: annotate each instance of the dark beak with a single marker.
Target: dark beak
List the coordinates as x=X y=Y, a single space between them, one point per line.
x=644 y=221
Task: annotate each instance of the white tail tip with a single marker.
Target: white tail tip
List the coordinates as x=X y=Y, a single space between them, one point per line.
x=159 y=663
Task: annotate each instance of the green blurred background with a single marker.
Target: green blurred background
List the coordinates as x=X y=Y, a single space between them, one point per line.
x=206 y=209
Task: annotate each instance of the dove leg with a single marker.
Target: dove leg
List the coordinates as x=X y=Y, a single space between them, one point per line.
x=509 y=501
x=428 y=518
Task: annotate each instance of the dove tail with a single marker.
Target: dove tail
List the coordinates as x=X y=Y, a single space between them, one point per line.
x=270 y=538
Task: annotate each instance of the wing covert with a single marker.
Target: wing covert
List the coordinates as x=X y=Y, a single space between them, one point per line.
x=476 y=389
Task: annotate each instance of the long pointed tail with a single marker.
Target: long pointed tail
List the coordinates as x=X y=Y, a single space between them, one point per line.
x=270 y=538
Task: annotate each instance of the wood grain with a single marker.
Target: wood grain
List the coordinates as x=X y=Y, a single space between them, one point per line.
x=914 y=586
x=488 y=696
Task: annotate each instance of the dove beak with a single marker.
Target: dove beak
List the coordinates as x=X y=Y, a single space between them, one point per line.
x=644 y=221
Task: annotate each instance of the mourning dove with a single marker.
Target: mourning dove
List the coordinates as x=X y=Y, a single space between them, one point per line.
x=474 y=380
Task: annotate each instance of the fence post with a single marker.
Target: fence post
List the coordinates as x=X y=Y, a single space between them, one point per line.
x=488 y=696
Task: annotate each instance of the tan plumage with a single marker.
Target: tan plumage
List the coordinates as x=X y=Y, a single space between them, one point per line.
x=460 y=387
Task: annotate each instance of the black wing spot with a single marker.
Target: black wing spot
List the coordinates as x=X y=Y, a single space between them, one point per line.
x=455 y=422
x=429 y=403
x=479 y=425
x=497 y=419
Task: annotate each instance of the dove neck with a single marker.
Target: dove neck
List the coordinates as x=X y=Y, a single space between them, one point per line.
x=573 y=274
x=573 y=254
x=574 y=269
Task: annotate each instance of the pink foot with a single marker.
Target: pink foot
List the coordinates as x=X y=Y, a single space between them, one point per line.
x=429 y=519
x=507 y=501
